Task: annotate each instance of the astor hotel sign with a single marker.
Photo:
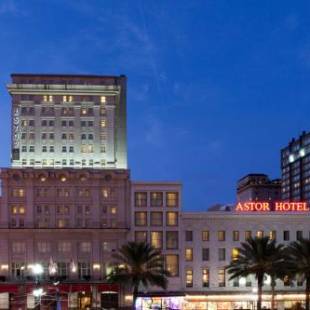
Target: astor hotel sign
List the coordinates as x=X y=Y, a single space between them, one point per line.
x=281 y=206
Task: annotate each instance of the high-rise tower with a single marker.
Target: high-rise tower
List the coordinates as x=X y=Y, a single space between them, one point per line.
x=76 y=121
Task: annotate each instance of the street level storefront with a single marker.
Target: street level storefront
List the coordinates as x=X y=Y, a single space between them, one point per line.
x=67 y=295
x=210 y=301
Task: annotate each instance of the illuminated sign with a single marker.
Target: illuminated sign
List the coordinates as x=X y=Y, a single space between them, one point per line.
x=280 y=206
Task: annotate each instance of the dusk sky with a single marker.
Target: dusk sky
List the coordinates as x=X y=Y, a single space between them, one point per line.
x=215 y=88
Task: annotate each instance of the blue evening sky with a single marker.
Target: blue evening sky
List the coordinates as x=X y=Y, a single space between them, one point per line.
x=215 y=88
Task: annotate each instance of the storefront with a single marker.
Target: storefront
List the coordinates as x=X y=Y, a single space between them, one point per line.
x=68 y=295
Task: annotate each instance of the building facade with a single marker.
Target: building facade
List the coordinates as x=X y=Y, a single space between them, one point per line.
x=295 y=165
x=259 y=187
x=68 y=121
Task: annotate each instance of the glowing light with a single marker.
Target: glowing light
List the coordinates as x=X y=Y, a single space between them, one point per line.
x=279 y=206
x=37 y=269
x=291 y=158
x=38 y=292
x=242 y=281
x=302 y=152
x=4 y=267
x=96 y=266
x=267 y=280
x=73 y=267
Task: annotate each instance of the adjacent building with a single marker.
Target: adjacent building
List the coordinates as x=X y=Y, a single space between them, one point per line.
x=258 y=186
x=295 y=165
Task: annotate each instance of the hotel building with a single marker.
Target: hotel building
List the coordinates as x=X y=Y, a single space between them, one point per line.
x=295 y=165
x=258 y=187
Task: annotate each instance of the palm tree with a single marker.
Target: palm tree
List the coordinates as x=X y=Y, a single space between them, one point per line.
x=138 y=263
x=299 y=263
x=257 y=256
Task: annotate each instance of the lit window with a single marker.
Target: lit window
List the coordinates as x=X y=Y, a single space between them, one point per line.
x=221 y=277
x=172 y=264
x=102 y=99
x=103 y=123
x=172 y=218
x=140 y=218
x=205 y=235
x=234 y=253
x=189 y=254
x=172 y=199
x=105 y=192
x=189 y=278
x=156 y=199
x=302 y=152
x=272 y=235
x=221 y=235
x=18 y=192
x=140 y=199
x=235 y=235
x=205 y=277
x=157 y=239
x=260 y=234
x=113 y=210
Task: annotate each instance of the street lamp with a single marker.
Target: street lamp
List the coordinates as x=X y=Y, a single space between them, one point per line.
x=37 y=269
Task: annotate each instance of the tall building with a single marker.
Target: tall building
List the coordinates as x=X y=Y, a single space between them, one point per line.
x=295 y=165
x=68 y=121
x=257 y=186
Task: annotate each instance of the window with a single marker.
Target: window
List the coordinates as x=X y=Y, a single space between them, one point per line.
x=188 y=235
x=140 y=199
x=64 y=246
x=18 y=192
x=62 y=269
x=172 y=218
x=260 y=234
x=222 y=254
x=221 y=277
x=85 y=247
x=299 y=235
x=102 y=99
x=156 y=199
x=44 y=247
x=103 y=123
x=31 y=148
x=18 y=270
x=236 y=235
x=272 y=235
x=62 y=223
x=156 y=219
x=141 y=236
x=157 y=239
x=172 y=240
x=172 y=264
x=172 y=199
x=16 y=209
x=113 y=210
x=234 y=254
x=189 y=254
x=286 y=235
x=221 y=235
x=205 y=254
x=248 y=234
x=140 y=218
x=189 y=277
x=286 y=281
x=205 y=235
x=83 y=270
x=18 y=247
x=205 y=277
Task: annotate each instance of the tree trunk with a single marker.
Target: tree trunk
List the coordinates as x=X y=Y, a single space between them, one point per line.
x=135 y=295
x=260 y=283
x=307 y=293
x=273 y=285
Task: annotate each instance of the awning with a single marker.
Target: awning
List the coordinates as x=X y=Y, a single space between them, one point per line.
x=106 y=287
x=9 y=288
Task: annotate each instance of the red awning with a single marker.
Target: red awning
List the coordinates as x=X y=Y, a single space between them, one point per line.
x=105 y=287
x=9 y=288
x=80 y=288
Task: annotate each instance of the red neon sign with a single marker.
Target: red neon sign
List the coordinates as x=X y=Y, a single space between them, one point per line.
x=280 y=206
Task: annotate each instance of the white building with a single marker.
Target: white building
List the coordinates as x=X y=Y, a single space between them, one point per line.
x=68 y=121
